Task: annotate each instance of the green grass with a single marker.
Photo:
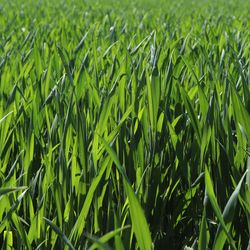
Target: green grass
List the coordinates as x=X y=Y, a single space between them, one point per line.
x=124 y=125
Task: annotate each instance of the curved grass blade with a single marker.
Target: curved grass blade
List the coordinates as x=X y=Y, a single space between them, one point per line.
x=203 y=243
x=101 y=245
x=216 y=208
x=66 y=66
x=139 y=222
x=81 y=43
x=228 y=215
x=7 y=190
x=108 y=236
x=2 y=119
x=59 y=232
x=191 y=112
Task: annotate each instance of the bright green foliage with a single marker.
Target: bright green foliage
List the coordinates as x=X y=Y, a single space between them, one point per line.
x=124 y=124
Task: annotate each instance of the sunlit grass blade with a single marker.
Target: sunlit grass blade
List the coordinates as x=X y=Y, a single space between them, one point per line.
x=81 y=220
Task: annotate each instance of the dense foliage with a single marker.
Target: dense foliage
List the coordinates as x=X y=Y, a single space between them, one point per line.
x=124 y=125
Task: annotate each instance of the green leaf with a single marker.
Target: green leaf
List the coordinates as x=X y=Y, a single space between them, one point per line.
x=203 y=243
x=108 y=236
x=192 y=113
x=139 y=222
x=216 y=208
x=228 y=216
x=81 y=220
x=59 y=232
x=6 y=190
x=3 y=118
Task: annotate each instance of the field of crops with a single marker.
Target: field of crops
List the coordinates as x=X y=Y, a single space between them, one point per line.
x=124 y=125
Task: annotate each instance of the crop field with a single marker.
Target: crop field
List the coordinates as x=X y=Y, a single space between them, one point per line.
x=124 y=124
